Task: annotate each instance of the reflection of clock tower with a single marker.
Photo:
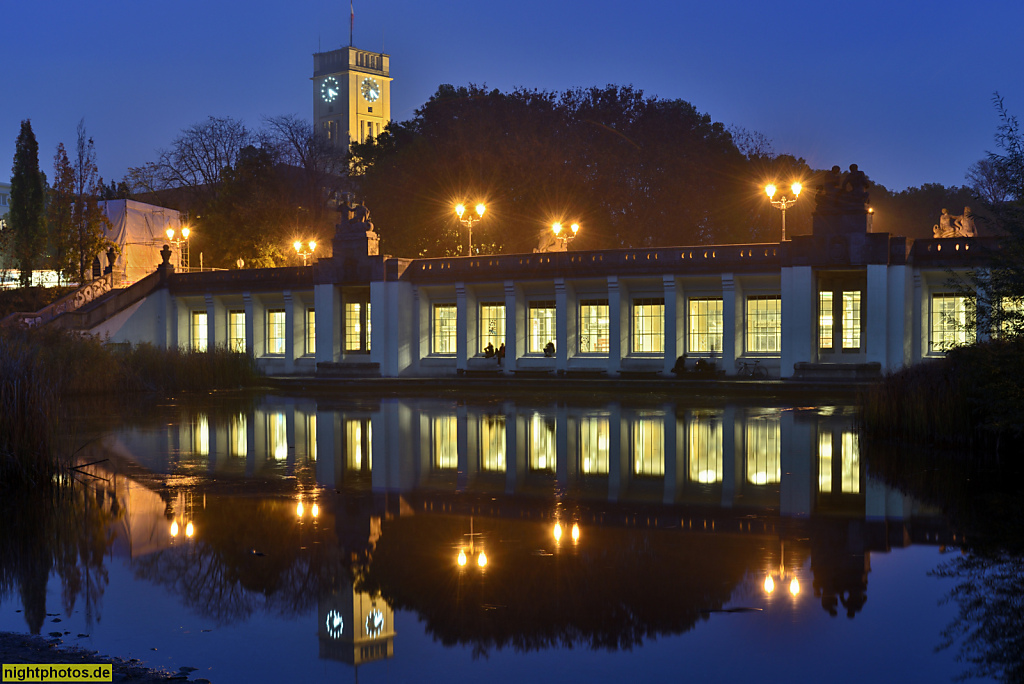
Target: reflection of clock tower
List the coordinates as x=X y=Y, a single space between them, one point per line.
x=354 y=627
x=351 y=94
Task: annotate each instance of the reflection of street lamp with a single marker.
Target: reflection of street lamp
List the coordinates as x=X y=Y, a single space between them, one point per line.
x=783 y=203
x=769 y=582
x=304 y=251
x=575 y=533
x=463 y=557
x=557 y=229
x=468 y=220
x=182 y=253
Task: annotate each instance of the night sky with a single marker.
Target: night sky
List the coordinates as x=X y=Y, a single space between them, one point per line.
x=904 y=91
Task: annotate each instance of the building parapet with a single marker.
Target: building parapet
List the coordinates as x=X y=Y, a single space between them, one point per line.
x=249 y=280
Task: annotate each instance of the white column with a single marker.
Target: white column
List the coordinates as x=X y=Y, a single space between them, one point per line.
x=561 y=325
x=327 y=308
x=876 y=326
x=615 y=318
x=461 y=327
x=674 y=331
x=799 y=297
x=251 y=311
x=514 y=337
x=732 y=323
x=292 y=342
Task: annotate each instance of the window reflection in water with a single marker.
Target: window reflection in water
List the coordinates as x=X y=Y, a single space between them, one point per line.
x=277 y=436
x=237 y=442
x=445 y=443
x=594 y=440
x=763 y=450
x=492 y=443
x=541 y=438
x=311 y=437
x=849 y=463
x=201 y=435
x=704 y=435
x=825 y=462
x=649 y=446
x=358 y=444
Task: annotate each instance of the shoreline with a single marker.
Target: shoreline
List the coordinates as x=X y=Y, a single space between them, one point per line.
x=27 y=649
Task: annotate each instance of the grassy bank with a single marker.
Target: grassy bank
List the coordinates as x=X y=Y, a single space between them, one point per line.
x=973 y=399
x=38 y=369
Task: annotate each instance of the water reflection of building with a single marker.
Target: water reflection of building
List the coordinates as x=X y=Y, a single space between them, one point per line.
x=355 y=627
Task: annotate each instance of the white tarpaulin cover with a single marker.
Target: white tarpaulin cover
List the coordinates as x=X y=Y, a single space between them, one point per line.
x=140 y=232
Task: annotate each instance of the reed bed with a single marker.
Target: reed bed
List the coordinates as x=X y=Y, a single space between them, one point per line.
x=973 y=399
x=39 y=368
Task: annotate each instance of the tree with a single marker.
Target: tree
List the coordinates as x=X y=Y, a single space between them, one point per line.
x=60 y=217
x=914 y=211
x=88 y=220
x=195 y=160
x=988 y=182
x=26 y=220
x=632 y=170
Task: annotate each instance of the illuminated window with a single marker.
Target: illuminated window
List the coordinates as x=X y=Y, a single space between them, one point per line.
x=444 y=330
x=491 y=439
x=764 y=464
x=236 y=331
x=542 y=326
x=200 y=333
x=541 y=443
x=705 y=325
x=275 y=331
x=445 y=442
x=764 y=324
x=649 y=326
x=704 y=437
x=848 y=462
x=354 y=327
x=825 y=320
x=850 y=473
x=358 y=444
x=949 y=322
x=594 y=326
x=1011 y=316
x=851 y=320
x=238 y=443
x=310 y=332
x=649 y=446
x=277 y=436
x=492 y=325
x=594 y=441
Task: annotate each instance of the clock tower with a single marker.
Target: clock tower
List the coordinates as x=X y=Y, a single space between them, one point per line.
x=351 y=94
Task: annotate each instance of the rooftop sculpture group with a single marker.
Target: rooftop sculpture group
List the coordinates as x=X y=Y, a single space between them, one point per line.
x=955 y=226
x=841 y=194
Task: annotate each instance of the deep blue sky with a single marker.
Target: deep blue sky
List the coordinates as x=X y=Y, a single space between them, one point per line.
x=901 y=90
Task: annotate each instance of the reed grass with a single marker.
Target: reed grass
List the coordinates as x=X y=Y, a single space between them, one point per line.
x=973 y=399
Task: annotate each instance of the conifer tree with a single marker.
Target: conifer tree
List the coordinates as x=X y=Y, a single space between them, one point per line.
x=60 y=218
x=26 y=219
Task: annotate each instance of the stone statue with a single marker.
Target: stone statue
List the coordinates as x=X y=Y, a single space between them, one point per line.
x=360 y=216
x=856 y=186
x=827 y=197
x=965 y=224
x=946 y=227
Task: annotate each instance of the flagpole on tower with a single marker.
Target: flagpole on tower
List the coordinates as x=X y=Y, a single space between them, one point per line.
x=351 y=21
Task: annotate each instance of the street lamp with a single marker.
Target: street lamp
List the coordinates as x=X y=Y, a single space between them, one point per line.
x=783 y=203
x=564 y=239
x=468 y=220
x=182 y=253
x=304 y=251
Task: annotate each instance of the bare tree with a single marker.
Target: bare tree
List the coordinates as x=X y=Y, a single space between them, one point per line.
x=989 y=182
x=88 y=220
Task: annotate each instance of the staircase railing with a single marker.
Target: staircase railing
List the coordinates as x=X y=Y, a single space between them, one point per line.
x=72 y=301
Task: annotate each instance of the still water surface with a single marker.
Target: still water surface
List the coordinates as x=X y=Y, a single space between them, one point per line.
x=411 y=539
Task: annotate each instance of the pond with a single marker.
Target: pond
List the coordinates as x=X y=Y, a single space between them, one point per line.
x=413 y=539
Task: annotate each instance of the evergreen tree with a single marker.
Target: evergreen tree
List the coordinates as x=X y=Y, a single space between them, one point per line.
x=27 y=205
x=60 y=217
x=88 y=220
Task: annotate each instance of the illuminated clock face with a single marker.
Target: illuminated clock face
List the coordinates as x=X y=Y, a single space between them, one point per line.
x=329 y=89
x=374 y=623
x=370 y=89
x=335 y=624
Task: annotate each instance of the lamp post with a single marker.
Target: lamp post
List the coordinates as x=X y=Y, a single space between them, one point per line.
x=304 y=251
x=564 y=239
x=783 y=203
x=182 y=253
x=468 y=220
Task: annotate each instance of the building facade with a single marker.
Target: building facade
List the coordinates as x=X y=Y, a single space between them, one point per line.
x=840 y=306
